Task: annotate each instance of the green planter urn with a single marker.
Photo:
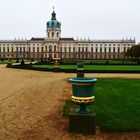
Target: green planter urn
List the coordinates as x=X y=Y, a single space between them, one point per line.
x=83 y=93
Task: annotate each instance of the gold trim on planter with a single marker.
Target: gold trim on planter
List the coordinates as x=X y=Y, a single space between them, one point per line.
x=83 y=99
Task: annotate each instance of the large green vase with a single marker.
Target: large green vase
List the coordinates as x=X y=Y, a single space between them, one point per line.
x=83 y=93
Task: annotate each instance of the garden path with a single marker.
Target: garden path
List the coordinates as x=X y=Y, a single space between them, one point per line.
x=31 y=104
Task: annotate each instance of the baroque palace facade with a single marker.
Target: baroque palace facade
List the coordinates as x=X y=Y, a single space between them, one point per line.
x=53 y=46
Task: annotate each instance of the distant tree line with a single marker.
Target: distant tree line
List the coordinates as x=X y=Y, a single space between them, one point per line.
x=134 y=53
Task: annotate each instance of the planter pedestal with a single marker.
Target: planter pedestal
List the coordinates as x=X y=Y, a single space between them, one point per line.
x=82 y=123
x=56 y=66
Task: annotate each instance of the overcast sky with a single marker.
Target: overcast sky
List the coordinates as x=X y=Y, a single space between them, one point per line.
x=96 y=19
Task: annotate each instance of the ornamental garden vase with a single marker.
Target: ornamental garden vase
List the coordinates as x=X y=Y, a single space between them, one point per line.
x=83 y=93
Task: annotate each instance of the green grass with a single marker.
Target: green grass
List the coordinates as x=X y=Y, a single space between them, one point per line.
x=117 y=105
x=3 y=62
x=94 y=67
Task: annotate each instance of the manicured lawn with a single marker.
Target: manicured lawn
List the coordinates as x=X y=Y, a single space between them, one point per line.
x=94 y=67
x=117 y=105
x=3 y=62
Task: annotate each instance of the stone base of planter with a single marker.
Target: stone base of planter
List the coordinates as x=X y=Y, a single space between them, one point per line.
x=82 y=123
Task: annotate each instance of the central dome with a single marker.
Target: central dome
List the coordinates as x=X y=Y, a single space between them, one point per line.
x=53 y=23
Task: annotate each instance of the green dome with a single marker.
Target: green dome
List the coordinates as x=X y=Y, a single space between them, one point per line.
x=53 y=23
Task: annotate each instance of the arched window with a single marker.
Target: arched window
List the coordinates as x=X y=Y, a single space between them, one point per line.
x=57 y=34
x=54 y=48
x=46 y=48
x=50 y=48
x=52 y=34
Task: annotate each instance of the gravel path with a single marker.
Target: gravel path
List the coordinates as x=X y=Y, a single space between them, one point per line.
x=31 y=104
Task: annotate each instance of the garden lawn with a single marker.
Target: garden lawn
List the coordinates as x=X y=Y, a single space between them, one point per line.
x=3 y=62
x=117 y=105
x=95 y=67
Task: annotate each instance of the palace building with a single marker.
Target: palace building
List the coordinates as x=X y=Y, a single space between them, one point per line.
x=53 y=45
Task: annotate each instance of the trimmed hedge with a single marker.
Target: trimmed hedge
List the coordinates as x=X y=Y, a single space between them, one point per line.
x=29 y=67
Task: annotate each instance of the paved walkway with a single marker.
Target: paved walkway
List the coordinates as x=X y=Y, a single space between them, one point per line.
x=31 y=104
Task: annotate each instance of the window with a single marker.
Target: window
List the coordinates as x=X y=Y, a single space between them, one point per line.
x=124 y=49
x=82 y=49
x=46 y=48
x=96 y=49
x=23 y=49
x=105 y=49
x=74 y=49
x=86 y=49
x=69 y=49
x=60 y=49
x=57 y=34
x=29 y=49
x=48 y=34
x=65 y=49
x=42 y=49
x=37 y=49
x=33 y=49
x=79 y=49
x=100 y=44
x=7 y=49
x=100 y=49
x=16 y=49
x=54 y=48
x=92 y=49
x=113 y=49
x=109 y=49
x=12 y=49
x=52 y=34
x=50 y=48
x=118 y=49
x=20 y=49
x=0 y=49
